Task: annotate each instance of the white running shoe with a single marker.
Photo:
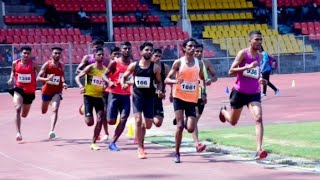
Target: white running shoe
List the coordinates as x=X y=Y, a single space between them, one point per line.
x=105 y=137
x=18 y=137
x=52 y=135
x=277 y=93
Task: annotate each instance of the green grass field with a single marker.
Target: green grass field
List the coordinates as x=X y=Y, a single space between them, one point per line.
x=297 y=140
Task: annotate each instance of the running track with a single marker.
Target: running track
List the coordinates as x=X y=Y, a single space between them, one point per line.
x=69 y=157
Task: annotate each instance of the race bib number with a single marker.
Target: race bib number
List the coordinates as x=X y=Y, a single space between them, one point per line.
x=55 y=80
x=24 y=78
x=142 y=82
x=252 y=73
x=188 y=86
x=129 y=79
x=97 y=81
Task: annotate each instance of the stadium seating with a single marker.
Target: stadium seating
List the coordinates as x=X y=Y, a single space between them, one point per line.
x=24 y=20
x=216 y=17
x=124 y=19
x=289 y=3
x=234 y=37
x=97 y=5
x=172 y=5
x=308 y=28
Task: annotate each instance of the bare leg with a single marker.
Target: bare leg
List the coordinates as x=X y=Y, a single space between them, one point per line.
x=139 y=131
x=179 y=130
x=17 y=101
x=157 y=121
x=55 y=108
x=121 y=126
x=256 y=111
x=98 y=126
x=233 y=116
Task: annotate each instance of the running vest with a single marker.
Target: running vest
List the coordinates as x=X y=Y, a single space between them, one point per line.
x=188 y=90
x=206 y=76
x=247 y=82
x=143 y=80
x=55 y=85
x=94 y=83
x=25 y=77
x=116 y=76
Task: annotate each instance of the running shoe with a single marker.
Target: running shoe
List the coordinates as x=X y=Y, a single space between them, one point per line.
x=52 y=135
x=113 y=147
x=177 y=158
x=261 y=155
x=105 y=137
x=18 y=137
x=201 y=147
x=94 y=147
x=221 y=116
x=141 y=154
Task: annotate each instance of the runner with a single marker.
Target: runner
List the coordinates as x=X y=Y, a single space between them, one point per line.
x=93 y=93
x=188 y=71
x=89 y=59
x=119 y=99
x=158 y=106
x=207 y=68
x=246 y=90
x=144 y=72
x=52 y=76
x=23 y=73
x=114 y=53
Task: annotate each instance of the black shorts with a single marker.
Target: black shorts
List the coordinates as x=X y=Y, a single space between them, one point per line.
x=188 y=107
x=27 y=98
x=49 y=97
x=238 y=99
x=105 y=100
x=158 y=107
x=200 y=106
x=143 y=104
x=90 y=103
x=118 y=104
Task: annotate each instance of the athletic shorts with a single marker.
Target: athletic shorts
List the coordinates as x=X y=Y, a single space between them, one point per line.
x=27 y=98
x=238 y=99
x=118 y=103
x=158 y=107
x=200 y=106
x=105 y=100
x=188 y=107
x=90 y=103
x=49 y=97
x=143 y=105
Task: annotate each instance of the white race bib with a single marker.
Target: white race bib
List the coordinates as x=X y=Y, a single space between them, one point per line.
x=97 y=81
x=252 y=73
x=188 y=86
x=55 y=80
x=142 y=82
x=24 y=78
x=129 y=79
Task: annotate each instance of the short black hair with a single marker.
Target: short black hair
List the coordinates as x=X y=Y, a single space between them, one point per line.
x=185 y=42
x=27 y=48
x=126 y=43
x=254 y=33
x=157 y=50
x=114 y=49
x=96 y=50
x=57 y=48
x=145 y=44
x=199 y=45
x=98 y=42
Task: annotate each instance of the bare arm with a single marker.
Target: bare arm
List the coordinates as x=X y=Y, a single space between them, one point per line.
x=83 y=63
x=157 y=73
x=175 y=68
x=81 y=74
x=110 y=69
x=12 y=72
x=42 y=72
x=211 y=70
x=126 y=74
x=234 y=69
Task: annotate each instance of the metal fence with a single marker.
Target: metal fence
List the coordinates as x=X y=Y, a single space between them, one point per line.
x=295 y=54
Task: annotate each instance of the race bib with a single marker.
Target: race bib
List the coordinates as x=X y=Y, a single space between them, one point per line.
x=188 y=86
x=252 y=73
x=142 y=82
x=24 y=78
x=129 y=79
x=55 y=80
x=97 y=81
